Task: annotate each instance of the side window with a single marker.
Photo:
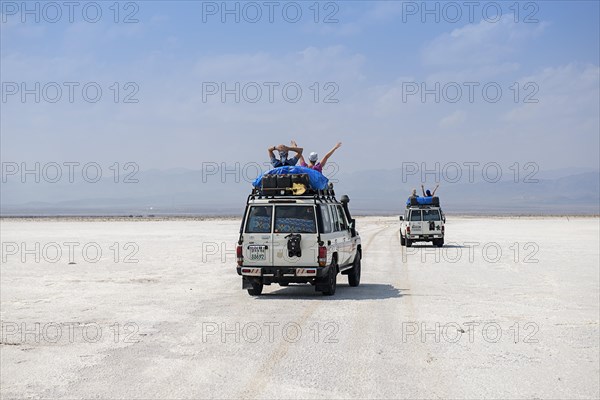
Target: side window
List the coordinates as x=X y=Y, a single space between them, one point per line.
x=326 y=219
x=415 y=215
x=342 y=218
x=259 y=219
x=335 y=220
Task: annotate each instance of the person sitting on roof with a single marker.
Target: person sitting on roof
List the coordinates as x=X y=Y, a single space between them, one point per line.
x=414 y=194
x=313 y=157
x=427 y=193
x=283 y=159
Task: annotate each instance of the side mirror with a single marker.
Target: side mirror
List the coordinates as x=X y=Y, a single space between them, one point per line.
x=444 y=219
x=401 y=218
x=353 y=227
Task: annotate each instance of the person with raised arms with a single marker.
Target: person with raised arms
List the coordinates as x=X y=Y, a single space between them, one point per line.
x=427 y=193
x=313 y=162
x=284 y=159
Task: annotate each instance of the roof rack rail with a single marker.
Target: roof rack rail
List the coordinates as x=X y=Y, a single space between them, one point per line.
x=326 y=194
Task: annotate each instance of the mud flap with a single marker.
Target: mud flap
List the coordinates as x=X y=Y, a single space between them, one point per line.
x=322 y=282
x=246 y=284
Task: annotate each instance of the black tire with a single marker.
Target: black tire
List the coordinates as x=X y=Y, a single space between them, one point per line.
x=354 y=275
x=402 y=241
x=256 y=290
x=331 y=280
x=408 y=242
x=439 y=242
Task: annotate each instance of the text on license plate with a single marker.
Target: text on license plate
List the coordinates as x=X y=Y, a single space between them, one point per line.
x=258 y=253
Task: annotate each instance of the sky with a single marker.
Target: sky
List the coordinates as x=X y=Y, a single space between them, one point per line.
x=185 y=83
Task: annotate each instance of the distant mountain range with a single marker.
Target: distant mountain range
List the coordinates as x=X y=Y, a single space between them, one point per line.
x=184 y=192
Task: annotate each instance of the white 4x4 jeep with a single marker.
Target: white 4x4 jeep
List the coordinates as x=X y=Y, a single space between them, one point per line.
x=422 y=223
x=297 y=239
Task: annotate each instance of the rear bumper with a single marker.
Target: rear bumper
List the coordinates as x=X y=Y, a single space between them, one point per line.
x=425 y=237
x=283 y=274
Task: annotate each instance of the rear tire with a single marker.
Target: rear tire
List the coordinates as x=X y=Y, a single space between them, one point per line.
x=438 y=242
x=331 y=280
x=408 y=242
x=256 y=289
x=402 y=240
x=354 y=275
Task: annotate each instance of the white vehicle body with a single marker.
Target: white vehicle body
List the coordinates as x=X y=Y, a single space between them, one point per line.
x=328 y=242
x=422 y=223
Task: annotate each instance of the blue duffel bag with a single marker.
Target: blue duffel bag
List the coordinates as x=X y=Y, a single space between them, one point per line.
x=317 y=180
x=422 y=201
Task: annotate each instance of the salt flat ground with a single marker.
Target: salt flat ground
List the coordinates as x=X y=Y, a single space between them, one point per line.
x=508 y=309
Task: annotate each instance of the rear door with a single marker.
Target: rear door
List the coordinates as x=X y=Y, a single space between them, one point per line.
x=298 y=219
x=344 y=237
x=327 y=229
x=415 y=221
x=258 y=240
x=432 y=222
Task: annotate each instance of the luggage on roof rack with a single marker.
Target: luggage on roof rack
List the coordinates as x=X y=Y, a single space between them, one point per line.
x=291 y=179
x=423 y=201
x=293 y=184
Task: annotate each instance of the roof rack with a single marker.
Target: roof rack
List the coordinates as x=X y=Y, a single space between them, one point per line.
x=423 y=206
x=285 y=194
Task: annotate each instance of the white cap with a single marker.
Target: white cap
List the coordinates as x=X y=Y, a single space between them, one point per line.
x=313 y=157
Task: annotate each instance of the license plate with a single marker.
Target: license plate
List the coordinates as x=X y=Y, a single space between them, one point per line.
x=258 y=253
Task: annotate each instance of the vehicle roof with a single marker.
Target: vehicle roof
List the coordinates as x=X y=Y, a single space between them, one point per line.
x=292 y=201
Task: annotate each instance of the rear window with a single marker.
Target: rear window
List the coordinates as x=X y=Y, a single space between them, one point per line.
x=259 y=219
x=295 y=219
x=415 y=215
x=431 y=215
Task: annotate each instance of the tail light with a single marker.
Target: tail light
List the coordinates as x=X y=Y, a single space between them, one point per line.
x=408 y=229
x=240 y=256
x=442 y=228
x=322 y=256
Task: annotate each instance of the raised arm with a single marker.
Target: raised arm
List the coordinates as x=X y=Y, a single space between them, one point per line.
x=297 y=149
x=423 y=190
x=300 y=156
x=324 y=160
x=436 y=188
x=271 y=150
